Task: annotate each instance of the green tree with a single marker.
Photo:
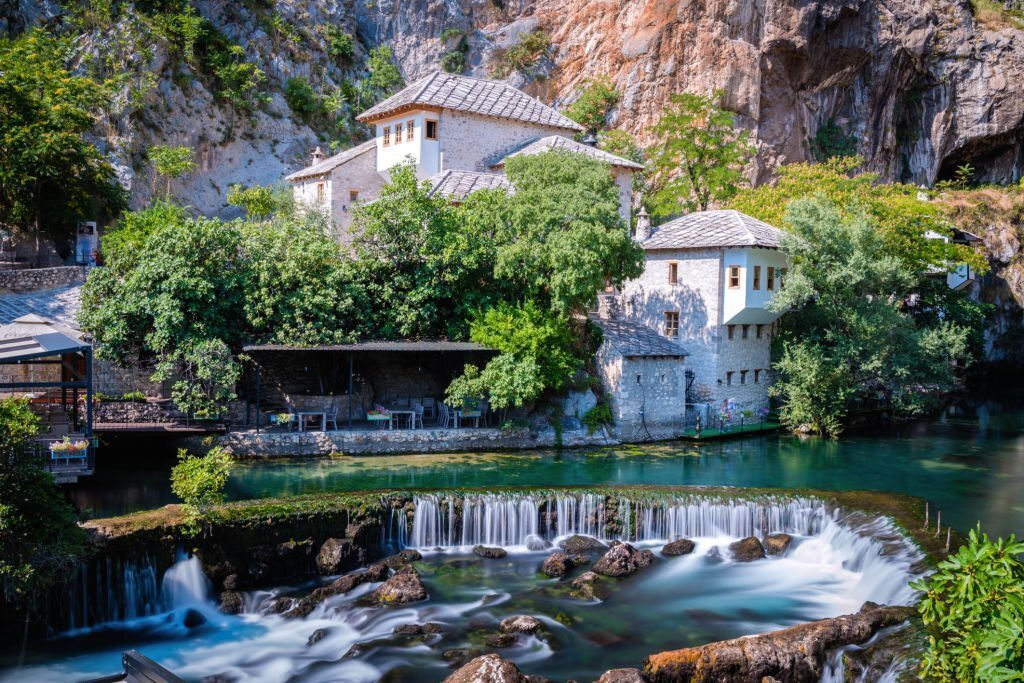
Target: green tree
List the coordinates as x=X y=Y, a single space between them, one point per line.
x=258 y=201
x=170 y=163
x=596 y=98
x=383 y=78
x=699 y=155
x=39 y=538
x=622 y=144
x=299 y=95
x=50 y=175
x=340 y=44
x=199 y=482
x=973 y=611
x=852 y=337
x=903 y=218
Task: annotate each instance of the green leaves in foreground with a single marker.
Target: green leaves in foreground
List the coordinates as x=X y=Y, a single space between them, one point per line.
x=973 y=609
x=199 y=481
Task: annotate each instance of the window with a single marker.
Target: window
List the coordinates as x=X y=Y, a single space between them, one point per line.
x=672 y=324
x=743 y=376
x=321 y=189
x=732 y=330
x=760 y=328
x=746 y=331
x=734 y=277
x=409 y=128
x=771 y=279
x=757 y=277
x=353 y=195
x=728 y=377
x=757 y=376
x=431 y=133
x=387 y=135
x=673 y=273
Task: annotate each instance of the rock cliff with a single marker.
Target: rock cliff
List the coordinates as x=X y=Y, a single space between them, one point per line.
x=918 y=86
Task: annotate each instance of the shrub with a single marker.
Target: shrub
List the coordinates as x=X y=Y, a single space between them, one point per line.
x=340 y=44
x=527 y=51
x=258 y=201
x=830 y=141
x=973 y=609
x=597 y=417
x=453 y=61
x=300 y=96
x=199 y=481
x=591 y=108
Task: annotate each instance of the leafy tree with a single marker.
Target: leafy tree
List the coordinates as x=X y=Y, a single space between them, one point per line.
x=340 y=44
x=973 y=610
x=902 y=217
x=299 y=95
x=199 y=481
x=853 y=337
x=830 y=141
x=39 y=537
x=50 y=175
x=170 y=163
x=258 y=201
x=622 y=144
x=596 y=99
x=384 y=78
x=699 y=156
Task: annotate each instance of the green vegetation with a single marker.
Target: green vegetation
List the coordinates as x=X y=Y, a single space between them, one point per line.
x=199 y=481
x=384 y=78
x=699 y=156
x=529 y=49
x=973 y=609
x=830 y=141
x=595 y=100
x=854 y=343
x=170 y=163
x=453 y=61
x=39 y=537
x=340 y=44
x=259 y=202
x=299 y=95
x=50 y=175
x=597 y=417
x=997 y=15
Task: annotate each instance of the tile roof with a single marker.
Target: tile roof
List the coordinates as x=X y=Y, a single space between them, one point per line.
x=461 y=93
x=331 y=163
x=633 y=340
x=561 y=142
x=61 y=305
x=457 y=185
x=714 y=229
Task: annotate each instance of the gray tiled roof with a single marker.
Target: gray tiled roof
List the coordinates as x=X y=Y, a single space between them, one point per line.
x=714 y=229
x=561 y=142
x=61 y=305
x=632 y=339
x=457 y=185
x=461 y=93
x=331 y=163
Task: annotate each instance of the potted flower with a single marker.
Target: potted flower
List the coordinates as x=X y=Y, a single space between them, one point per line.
x=69 y=449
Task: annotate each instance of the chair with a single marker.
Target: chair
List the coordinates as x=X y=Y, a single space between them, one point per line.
x=429 y=406
x=331 y=418
x=417 y=414
x=444 y=418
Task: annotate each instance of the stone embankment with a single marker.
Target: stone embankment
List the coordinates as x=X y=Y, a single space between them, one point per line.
x=35 y=279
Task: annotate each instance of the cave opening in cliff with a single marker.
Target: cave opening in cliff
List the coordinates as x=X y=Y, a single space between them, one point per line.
x=997 y=159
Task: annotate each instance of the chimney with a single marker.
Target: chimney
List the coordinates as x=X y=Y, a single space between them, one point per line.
x=591 y=139
x=607 y=306
x=318 y=155
x=643 y=225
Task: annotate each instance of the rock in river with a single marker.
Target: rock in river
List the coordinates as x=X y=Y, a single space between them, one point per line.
x=231 y=602
x=622 y=676
x=535 y=542
x=487 y=669
x=682 y=546
x=579 y=544
x=337 y=555
x=777 y=544
x=747 y=549
x=560 y=564
x=499 y=640
x=589 y=586
x=623 y=560
x=521 y=624
x=399 y=560
x=405 y=586
x=493 y=553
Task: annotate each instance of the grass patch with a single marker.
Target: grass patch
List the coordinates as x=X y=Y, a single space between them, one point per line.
x=994 y=15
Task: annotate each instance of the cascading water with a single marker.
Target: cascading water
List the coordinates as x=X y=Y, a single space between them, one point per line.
x=109 y=590
x=184 y=584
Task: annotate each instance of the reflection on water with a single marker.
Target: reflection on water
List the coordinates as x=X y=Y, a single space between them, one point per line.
x=970 y=468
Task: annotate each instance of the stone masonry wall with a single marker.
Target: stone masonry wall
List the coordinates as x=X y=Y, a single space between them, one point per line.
x=660 y=395
x=35 y=279
x=115 y=380
x=359 y=174
x=470 y=142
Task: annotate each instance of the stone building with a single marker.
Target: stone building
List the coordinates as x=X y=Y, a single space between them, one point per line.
x=457 y=132
x=706 y=285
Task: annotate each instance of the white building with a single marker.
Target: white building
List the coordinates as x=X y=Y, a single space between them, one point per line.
x=457 y=131
x=706 y=285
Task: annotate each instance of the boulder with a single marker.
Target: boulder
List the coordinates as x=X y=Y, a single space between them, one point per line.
x=622 y=676
x=589 y=586
x=747 y=549
x=777 y=544
x=460 y=655
x=316 y=636
x=405 y=586
x=193 y=618
x=500 y=640
x=535 y=542
x=521 y=624
x=560 y=564
x=714 y=555
x=623 y=560
x=432 y=627
x=231 y=602
x=580 y=544
x=489 y=552
x=682 y=546
x=401 y=559
x=296 y=609
x=337 y=555
x=488 y=669
x=797 y=653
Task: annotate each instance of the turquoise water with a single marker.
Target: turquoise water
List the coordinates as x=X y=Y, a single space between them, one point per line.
x=972 y=469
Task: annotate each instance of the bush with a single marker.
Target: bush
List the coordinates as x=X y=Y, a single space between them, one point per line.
x=973 y=609
x=300 y=96
x=199 y=481
x=453 y=61
x=340 y=45
x=527 y=51
x=597 y=417
x=830 y=141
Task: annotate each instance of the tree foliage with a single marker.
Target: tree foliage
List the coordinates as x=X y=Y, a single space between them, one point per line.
x=973 y=610
x=199 y=482
x=699 y=155
x=170 y=163
x=596 y=98
x=50 y=175
x=854 y=336
x=39 y=537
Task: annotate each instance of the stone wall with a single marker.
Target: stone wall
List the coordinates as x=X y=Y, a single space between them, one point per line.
x=281 y=444
x=115 y=380
x=654 y=407
x=470 y=142
x=35 y=279
x=133 y=412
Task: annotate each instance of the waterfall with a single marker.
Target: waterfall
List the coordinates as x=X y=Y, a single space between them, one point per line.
x=185 y=584
x=109 y=590
x=507 y=519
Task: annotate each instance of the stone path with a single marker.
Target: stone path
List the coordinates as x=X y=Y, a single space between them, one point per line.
x=61 y=304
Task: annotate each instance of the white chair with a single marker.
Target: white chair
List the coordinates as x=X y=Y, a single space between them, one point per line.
x=417 y=414
x=331 y=418
x=429 y=407
x=446 y=418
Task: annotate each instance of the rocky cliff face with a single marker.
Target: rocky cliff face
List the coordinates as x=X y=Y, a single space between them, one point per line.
x=920 y=86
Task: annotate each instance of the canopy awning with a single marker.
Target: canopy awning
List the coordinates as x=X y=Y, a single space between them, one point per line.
x=391 y=346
